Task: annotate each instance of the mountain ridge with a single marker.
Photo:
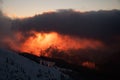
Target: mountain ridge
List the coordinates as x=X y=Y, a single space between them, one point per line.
x=16 y=67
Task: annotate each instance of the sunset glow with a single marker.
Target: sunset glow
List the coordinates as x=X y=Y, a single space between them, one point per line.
x=90 y=65
x=32 y=7
x=78 y=39
x=42 y=41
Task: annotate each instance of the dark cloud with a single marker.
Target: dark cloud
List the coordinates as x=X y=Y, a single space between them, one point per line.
x=5 y=25
x=102 y=25
x=7 y=36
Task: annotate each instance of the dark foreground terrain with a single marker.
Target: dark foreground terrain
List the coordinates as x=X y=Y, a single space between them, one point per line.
x=77 y=72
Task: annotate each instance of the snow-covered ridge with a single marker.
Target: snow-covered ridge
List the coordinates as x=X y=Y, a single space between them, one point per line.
x=16 y=67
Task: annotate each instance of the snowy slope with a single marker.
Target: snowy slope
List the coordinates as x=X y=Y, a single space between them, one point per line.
x=15 y=67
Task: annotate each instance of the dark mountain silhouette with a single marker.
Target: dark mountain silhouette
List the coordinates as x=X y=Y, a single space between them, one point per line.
x=76 y=71
x=16 y=67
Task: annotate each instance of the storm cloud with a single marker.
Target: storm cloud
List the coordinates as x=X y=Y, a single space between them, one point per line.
x=7 y=35
x=99 y=25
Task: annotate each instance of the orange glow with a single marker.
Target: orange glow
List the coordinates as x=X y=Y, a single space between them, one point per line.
x=42 y=41
x=90 y=65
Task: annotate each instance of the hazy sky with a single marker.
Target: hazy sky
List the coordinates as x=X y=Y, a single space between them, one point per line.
x=22 y=8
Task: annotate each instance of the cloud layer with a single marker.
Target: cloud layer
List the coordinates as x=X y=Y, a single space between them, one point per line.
x=101 y=25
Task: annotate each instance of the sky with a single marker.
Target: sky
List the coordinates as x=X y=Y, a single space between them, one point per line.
x=25 y=8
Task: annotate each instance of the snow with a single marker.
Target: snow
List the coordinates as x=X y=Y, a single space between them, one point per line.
x=16 y=67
